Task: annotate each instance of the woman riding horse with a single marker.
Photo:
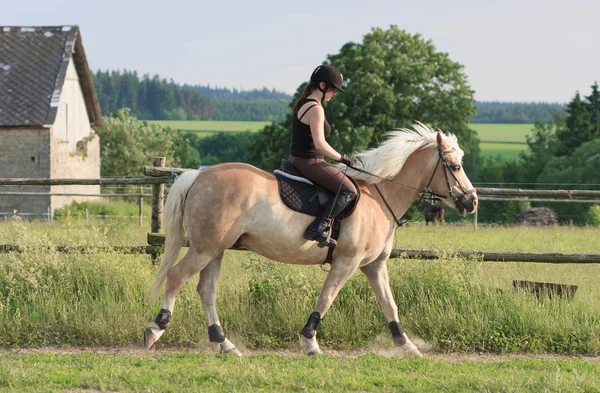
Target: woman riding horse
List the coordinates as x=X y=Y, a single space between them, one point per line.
x=309 y=130
x=237 y=206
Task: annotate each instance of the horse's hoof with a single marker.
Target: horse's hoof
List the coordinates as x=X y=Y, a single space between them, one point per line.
x=152 y=334
x=310 y=345
x=411 y=350
x=228 y=347
x=315 y=352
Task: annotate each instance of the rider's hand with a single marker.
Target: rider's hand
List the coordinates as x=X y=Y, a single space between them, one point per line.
x=348 y=161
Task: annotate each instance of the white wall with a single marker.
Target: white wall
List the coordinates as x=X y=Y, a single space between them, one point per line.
x=72 y=122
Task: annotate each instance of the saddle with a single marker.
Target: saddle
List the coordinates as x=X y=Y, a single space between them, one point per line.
x=306 y=197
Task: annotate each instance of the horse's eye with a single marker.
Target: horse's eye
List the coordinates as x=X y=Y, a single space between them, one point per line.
x=456 y=168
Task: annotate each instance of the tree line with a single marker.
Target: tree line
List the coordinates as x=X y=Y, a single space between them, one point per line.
x=564 y=150
x=155 y=98
x=515 y=112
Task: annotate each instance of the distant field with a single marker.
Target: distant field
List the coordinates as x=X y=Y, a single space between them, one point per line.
x=507 y=140
x=208 y=127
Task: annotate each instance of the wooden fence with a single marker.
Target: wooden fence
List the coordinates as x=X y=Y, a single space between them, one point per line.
x=157 y=175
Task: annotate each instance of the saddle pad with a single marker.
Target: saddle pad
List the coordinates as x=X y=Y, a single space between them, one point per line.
x=298 y=196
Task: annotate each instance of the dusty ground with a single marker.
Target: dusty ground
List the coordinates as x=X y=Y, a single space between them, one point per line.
x=389 y=352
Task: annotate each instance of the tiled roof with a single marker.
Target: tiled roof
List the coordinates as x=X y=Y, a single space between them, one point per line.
x=33 y=66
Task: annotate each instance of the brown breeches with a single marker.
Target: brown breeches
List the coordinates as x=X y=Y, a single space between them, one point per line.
x=323 y=173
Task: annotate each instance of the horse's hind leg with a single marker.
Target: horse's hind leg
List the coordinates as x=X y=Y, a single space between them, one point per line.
x=377 y=275
x=207 y=289
x=177 y=276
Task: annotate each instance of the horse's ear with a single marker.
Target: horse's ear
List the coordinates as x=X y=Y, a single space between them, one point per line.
x=439 y=139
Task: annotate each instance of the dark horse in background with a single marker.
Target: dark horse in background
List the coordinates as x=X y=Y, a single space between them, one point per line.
x=433 y=212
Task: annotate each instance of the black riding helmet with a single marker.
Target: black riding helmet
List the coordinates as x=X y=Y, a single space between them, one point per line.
x=328 y=74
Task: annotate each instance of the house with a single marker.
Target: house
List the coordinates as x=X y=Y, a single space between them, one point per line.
x=48 y=106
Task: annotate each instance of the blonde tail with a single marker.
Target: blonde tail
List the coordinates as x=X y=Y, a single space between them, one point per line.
x=174 y=232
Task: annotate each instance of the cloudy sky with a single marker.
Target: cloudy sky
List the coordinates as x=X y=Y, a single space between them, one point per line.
x=512 y=50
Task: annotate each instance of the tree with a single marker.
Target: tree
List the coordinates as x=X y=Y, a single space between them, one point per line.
x=128 y=144
x=543 y=146
x=582 y=167
x=577 y=130
x=393 y=79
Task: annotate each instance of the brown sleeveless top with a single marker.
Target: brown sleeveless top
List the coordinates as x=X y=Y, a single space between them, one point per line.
x=302 y=141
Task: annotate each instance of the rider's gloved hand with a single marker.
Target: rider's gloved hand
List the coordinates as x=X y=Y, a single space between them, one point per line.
x=348 y=161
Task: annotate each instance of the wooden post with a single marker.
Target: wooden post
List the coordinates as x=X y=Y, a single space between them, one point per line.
x=86 y=217
x=49 y=214
x=475 y=219
x=141 y=207
x=158 y=200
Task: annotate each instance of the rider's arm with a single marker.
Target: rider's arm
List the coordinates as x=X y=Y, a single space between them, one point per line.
x=316 y=121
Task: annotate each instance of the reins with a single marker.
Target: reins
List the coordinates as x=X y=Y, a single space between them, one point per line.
x=424 y=191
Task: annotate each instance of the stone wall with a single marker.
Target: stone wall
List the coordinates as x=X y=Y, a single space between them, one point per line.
x=83 y=163
x=24 y=153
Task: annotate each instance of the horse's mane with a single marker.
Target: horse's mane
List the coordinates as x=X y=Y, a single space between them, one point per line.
x=388 y=159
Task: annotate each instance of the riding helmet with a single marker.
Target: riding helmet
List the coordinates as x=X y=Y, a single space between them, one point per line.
x=328 y=74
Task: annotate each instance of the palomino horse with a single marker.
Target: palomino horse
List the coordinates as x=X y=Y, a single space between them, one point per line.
x=237 y=206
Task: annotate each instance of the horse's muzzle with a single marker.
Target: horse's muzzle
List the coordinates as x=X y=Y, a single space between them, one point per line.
x=465 y=201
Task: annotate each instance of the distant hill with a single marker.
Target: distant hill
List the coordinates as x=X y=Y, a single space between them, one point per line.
x=155 y=98
x=223 y=93
x=245 y=105
x=516 y=112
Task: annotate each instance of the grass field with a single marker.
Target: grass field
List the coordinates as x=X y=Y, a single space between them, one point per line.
x=506 y=140
x=73 y=305
x=201 y=372
x=205 y=128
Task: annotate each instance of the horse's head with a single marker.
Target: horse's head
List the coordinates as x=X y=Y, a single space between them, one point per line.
x=449 y=180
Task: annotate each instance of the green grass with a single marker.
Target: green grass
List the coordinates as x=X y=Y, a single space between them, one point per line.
x=505 y=140
x=505 y=150
x=502 y=132
x=453 y=304
x=208 y=127
x=200 y=372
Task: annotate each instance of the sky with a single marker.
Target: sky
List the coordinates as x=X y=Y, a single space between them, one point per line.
x=511 y=50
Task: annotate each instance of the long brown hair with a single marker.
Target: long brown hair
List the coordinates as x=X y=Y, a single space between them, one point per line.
x=308 y=89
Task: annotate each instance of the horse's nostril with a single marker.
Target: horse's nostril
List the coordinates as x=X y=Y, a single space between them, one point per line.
x=475 y=202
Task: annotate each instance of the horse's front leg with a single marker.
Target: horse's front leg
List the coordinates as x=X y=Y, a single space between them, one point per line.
x=207 y=289
x=341 y=270
x=377 y=275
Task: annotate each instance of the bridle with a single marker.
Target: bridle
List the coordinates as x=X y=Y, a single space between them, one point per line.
x=457 y=194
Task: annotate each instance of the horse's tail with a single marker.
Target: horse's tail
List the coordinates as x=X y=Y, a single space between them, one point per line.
x=174 y=232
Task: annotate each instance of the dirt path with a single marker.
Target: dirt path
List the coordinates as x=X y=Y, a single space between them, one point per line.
x=388 y=352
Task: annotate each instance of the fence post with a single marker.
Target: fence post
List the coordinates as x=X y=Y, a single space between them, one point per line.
x=141 y=207
x=158 y=199
x=86 y=217
x=475 y=220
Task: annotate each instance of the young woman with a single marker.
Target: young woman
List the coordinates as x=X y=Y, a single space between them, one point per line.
x=309 y=147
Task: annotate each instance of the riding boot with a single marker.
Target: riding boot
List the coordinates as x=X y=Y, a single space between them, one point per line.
x=319 y=229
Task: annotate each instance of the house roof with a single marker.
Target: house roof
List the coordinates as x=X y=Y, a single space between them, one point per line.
x=33 y=66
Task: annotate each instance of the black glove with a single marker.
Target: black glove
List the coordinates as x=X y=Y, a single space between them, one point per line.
x=348 y=161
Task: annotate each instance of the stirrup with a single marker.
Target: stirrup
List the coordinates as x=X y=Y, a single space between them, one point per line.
x=328 y=242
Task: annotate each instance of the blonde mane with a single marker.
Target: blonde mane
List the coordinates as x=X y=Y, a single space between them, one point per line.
x=388 y=159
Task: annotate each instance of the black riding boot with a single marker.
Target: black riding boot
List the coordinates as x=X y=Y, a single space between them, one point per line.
x=319 y=228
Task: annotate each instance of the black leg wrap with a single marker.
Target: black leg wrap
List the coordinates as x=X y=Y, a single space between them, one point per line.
x=310 y=329
x=215 y=334
x=163 y=319
x=397 y=333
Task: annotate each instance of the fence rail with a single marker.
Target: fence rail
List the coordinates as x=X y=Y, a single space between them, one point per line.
x=158 y=175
